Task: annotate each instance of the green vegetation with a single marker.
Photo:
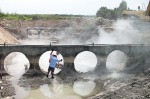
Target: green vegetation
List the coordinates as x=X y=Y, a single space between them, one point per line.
x=112 y=14
x=102 y=12
x=35 y=16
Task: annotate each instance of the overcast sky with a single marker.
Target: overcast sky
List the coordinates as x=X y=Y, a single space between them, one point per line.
x=76 y=7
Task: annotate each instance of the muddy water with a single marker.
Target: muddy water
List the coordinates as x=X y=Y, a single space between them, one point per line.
x=56 y=89
x=52 y=92
x=85 y=86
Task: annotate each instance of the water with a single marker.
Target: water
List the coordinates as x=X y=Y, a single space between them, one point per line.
x=52 y=92
x=79 y=89
x=56 y=89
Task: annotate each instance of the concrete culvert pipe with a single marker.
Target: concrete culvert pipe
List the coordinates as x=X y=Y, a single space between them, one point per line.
x=85 y=61
x=44 y=62
x=116 y=61
x=16 y=64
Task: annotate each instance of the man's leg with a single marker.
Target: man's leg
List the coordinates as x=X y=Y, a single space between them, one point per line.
x=52 y=72
x=48 y=71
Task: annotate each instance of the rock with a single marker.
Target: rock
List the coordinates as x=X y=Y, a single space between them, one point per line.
x=1 y=87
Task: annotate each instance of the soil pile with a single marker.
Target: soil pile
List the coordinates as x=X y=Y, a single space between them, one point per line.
x=6 y=37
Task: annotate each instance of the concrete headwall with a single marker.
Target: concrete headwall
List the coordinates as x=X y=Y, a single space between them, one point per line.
x=138 y=54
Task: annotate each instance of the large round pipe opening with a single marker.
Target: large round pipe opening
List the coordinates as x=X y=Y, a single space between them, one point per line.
x=116 y=61
x=44 y=62
x=16 y=64
x=85 y=61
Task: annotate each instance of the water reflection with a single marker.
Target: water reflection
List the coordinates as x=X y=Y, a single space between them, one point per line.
x=72 y=97
x=57 y=90
x=54 y=90
x=20 y=92
x=84 y=88
x=46 y=90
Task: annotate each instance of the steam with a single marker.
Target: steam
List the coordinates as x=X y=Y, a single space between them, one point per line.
x=121 y=32
x=34 y=42
x=87 y=31
x=124 y=33
x=116 y=61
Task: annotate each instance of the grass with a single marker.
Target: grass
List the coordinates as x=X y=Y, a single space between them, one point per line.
x=36 y=16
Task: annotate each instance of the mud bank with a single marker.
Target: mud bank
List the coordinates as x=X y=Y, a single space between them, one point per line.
x=137 y=87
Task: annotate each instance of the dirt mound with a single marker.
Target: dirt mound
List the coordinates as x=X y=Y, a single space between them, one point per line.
x=6 y=37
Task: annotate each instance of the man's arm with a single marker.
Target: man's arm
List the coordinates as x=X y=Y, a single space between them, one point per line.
x=51 y=52
x=50 y=56
x=60 y=60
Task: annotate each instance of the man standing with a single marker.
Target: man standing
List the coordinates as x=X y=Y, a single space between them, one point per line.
x=52 y=63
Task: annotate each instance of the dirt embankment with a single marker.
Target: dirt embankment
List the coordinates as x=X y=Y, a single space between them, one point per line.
x=18 y=28
x=6 y=37
x=79 y=27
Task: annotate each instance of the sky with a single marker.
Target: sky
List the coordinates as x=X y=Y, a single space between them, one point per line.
x=75 y=7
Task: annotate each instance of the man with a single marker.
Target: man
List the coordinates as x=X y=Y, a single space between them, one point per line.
x=52 y=63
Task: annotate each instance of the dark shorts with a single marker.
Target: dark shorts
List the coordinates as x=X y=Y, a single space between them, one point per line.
x=51 y=69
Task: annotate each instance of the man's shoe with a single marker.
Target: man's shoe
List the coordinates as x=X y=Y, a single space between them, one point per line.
x=53 y=77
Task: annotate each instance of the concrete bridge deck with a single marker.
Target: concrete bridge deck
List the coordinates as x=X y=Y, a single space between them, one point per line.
x=138 y=54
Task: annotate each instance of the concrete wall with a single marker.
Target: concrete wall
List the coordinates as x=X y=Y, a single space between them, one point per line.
x=137 y=53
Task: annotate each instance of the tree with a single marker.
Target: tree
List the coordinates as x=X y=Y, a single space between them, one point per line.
x=1 y=14
x=106 y=13
x=123 y=6
x=35 y=17
x=112 y=14
x=103 y=12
